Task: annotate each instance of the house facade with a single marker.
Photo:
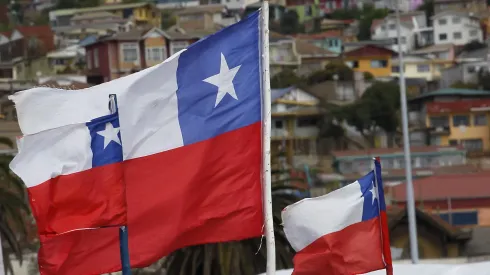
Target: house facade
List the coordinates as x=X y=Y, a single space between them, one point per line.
x=67 y=60
x=458 y=28
x=449 y=116
x=328 y=40
x=410 y=22
x=418 y=67
x=459 y=5
x=372 y=59
x=295 y=125
x=124 y=53
x=139 y=13
x=205 y=17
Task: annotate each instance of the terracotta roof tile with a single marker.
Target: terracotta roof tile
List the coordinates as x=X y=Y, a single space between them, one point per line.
x=385 y=151
x=42 y=33
x=74 y=85
x=473 y=185
x=456 y=106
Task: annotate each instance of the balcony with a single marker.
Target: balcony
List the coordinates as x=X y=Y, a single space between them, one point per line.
x=441 y=130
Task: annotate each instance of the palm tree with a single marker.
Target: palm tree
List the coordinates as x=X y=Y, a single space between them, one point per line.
x=13 y=209
x=245 y=257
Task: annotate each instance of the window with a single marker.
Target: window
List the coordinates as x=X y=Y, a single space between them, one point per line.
x=439 y=121
x=379 y=63
x=471 y=69
x=473 y=33
x=395 y=69
x=308 y=11
x=472 y=144
x=279 y=124
x=89 y=59
x=156 y=54
x=177 y=46
x=96 y=58
x=442 y=36
x=461 y=120
x=129 y=52
x=383 y=27
x=457 y=35
x=403 y=40
x=353 y=64
x=423 y=68
x=480 y=120
x=456 y=20
x=307 y=122
x=453 y=142
x=442 y=21
x=392 y=26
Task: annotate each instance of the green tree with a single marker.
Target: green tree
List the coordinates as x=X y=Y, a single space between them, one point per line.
x=290 y=22
x=13 y=209
x=240 y=257
x=168 y=19
x=286 y=78
x=428 y=7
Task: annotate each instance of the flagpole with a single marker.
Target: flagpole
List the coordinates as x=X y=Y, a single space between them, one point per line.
x=266 y=140
x=412 y=223
x=2 y=266
x=123 y=230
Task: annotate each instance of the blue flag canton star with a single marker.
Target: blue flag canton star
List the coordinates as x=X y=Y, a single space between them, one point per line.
x=218 y=80
x=369 y=194
x=105 y=142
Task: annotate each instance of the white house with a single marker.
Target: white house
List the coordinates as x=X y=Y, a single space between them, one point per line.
x=458 y=28
x=411 y=22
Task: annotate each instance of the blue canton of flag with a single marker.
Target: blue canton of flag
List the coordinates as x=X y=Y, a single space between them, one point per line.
x=105 y=142
x=219 y=82
x=371 y=195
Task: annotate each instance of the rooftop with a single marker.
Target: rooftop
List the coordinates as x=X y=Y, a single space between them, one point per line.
x=306 y=49
x=395 y=151
x=212 y=8
x=457 y=106
x=64 y=12
x=453 y=92
x=455 y=186
x=434 y=49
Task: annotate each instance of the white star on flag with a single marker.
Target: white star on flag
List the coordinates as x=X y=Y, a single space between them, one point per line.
x=373 y=191
x=224 y=81
x=110 y=134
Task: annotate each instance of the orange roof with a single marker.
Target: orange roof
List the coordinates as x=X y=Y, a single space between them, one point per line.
x=456 y=106
x=43 y=33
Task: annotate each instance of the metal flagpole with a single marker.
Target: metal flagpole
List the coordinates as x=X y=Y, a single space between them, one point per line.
x=123 y=230
x=412 y=225
x=2 y=266
x=266 y=140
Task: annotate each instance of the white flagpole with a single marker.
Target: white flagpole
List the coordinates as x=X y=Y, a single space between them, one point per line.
x=412 y=223
x=266 y=141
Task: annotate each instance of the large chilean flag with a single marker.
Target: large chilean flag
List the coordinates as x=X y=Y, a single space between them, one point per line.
x=188 y=133
x=344 y=232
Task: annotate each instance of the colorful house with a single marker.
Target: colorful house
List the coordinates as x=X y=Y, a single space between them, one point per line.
x=370 y=58
x=121 y=54
x=329 y=40
x=419 y=67
x=140 y=13
x=306 y=9
x=451 y=117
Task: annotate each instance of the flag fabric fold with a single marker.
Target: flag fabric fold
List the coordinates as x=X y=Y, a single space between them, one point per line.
x=190 y=133
x=340 y=233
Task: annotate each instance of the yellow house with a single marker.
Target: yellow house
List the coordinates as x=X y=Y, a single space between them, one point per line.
x=461 y=122
x=370 y=58
x=420 y=67
x=139 y=13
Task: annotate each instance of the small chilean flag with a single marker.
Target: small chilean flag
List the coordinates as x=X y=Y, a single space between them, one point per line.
x=344 y=232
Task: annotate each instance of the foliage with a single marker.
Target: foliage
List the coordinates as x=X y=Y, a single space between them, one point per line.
x=286 y=78
x=368 y=76
x=474 y=45
x=428 y=7
x=365 y=17
x=73 y=4
x=168 y=19
x=13 y=208
x=245 y=257
x=290 y=23
x=462 y=85
x=343 y=72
